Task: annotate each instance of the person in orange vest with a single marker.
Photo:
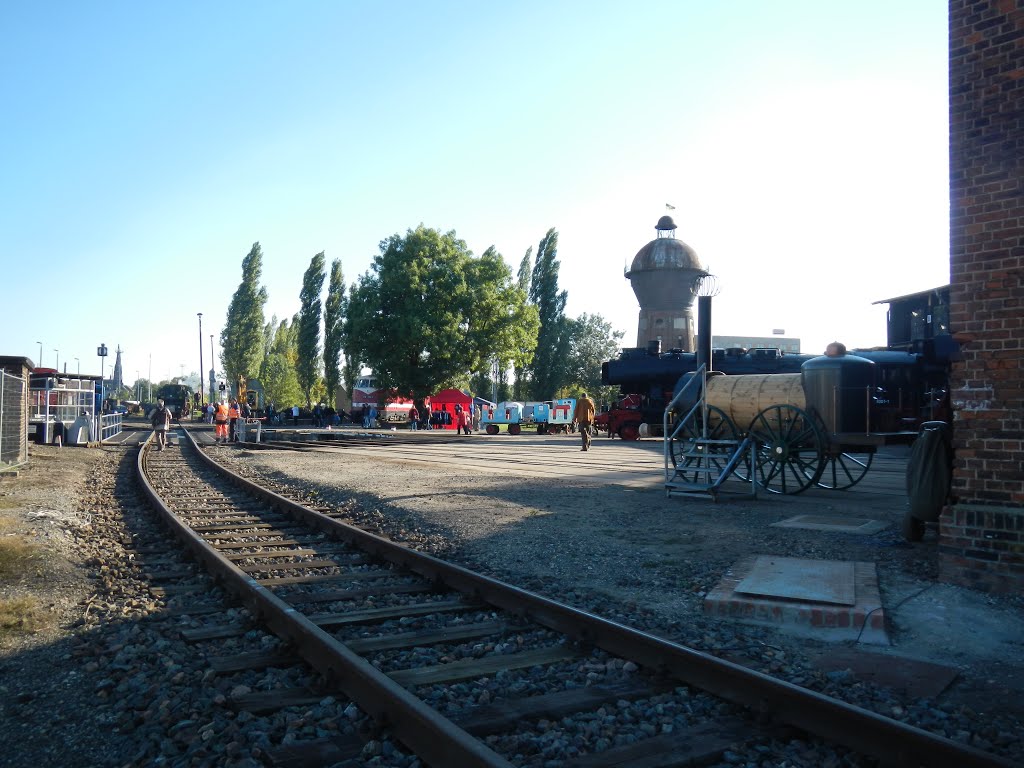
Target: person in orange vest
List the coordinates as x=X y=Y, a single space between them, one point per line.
x=220 y=420
x=234 y=414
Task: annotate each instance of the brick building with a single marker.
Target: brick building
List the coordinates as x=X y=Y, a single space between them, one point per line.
x=982 y=534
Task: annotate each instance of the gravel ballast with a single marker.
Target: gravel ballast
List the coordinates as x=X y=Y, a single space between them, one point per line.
x=109 y=683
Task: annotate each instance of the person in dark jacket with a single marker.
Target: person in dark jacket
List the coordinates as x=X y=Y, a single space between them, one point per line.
x=161 y=421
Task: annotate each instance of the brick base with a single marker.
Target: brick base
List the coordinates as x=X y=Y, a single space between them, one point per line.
x=865 y=620
x=982 y=547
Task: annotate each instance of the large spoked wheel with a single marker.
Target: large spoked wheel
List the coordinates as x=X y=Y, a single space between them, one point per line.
x=699 y=462
x=844 y=470
x=514 y=429
x=790 y=454
x=492 y=429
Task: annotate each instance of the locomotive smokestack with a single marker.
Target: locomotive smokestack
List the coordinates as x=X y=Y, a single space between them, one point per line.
x=704 y=332
x=705 y=287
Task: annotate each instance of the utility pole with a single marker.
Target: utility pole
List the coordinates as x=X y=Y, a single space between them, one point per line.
x=201 y=387
x=213 y=368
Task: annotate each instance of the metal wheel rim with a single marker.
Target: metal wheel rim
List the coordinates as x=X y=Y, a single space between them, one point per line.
x=845 y=470
x=790 y=450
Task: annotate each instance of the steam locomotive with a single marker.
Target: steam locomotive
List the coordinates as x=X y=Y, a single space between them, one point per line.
x=911 y=372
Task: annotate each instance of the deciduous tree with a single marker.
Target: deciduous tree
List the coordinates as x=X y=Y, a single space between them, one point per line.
x=428 y=313
x=308 y=365
x=335 y=308
x=521 y=385
x=547 y=371
x=277 y=374
x=592 y=340
x=241 y=341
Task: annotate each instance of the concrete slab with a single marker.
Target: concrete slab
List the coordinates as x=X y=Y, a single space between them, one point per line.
x=821 y=581
x=863 y=620
x=860 y=526
x=912 y=677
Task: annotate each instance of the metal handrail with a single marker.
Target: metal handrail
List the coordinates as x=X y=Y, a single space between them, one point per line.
x=700 y=375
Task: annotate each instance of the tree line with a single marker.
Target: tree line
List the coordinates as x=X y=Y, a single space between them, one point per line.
x=427 y=315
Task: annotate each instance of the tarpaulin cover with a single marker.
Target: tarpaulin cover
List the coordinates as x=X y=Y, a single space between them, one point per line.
x=929 y=473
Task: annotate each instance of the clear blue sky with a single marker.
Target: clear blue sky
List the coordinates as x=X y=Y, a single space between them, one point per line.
x=147 y=146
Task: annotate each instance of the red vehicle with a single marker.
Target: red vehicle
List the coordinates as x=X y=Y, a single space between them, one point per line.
x=623 y=419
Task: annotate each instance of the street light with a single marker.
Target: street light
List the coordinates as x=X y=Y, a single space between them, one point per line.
x=213 y=367
x=56 y=365
x=201 y=387
x=40 y=361
x=101 y=351
x=79 y=362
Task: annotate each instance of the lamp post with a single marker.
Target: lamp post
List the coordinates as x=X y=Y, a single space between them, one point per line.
x=56 y=365
x=101 y=351
x=201 y=387
x=138 y=386
x=79 y=371
x=213 y=367
x=40 y=362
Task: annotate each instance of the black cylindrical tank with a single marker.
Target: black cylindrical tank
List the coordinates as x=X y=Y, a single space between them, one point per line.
x=839 y=389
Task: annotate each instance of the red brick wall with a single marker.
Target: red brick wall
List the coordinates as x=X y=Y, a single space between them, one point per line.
x=986 y=114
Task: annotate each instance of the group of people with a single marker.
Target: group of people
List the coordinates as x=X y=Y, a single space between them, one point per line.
x=224 y=416
x=466 y=420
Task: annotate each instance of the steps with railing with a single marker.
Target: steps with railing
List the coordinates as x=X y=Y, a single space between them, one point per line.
x=698 y=462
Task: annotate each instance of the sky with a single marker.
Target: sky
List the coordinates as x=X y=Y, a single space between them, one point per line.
x=146 y=147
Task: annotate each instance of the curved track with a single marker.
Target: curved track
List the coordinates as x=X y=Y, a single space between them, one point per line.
x=380 y=623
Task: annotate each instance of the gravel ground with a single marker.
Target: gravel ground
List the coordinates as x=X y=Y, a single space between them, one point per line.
x=102 y=666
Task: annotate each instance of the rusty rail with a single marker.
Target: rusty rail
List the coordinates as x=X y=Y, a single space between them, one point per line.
x=861 y=730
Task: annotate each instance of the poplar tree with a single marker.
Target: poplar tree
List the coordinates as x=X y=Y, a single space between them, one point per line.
x=308 y=364
x=335 y=309
x=548 y=369
x=521 y=387
x=241 y=340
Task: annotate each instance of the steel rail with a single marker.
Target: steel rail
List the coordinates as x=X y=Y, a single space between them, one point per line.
x=866 y=732
x=433 y=737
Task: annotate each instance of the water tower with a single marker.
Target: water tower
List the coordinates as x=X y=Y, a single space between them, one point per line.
x=662 y=276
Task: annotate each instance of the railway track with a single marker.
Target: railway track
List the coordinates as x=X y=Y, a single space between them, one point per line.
x=463 y=670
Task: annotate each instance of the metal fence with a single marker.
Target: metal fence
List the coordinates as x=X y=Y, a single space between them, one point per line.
x=110 y=425
x=13 y=420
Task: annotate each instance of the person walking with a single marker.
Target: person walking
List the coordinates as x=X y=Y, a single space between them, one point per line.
x=161 y=421
x=477 y=415
x=220 y=422
x=585 y=410
x=414 y=418
x=234 y=414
